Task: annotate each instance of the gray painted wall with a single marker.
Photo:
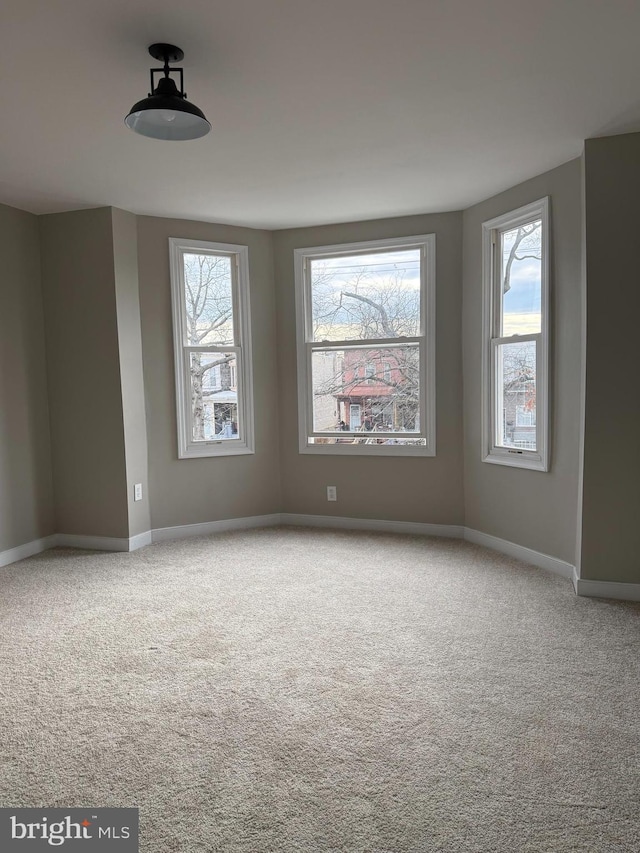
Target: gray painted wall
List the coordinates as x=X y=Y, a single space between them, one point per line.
x=188 y=491
x=532 y=508
x=125 y=260
x=83 y=369
x=107 y=310
x=611 y=491
x=422 y=489
x=26 y=497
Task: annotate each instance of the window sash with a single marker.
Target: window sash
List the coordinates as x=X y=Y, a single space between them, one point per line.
x=235 y=302
x=497 y=296
x=379 y=343
x=376 y=247
x=497 y=395
x=188 y=410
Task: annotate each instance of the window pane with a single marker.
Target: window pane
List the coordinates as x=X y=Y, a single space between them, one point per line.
x=521 y=278
x=214 y=396
x=516 y=395
x=208 y=297
x=366 y=390
x=357 y=297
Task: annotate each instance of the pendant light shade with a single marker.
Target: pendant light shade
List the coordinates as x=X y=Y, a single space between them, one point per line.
x=166 y=113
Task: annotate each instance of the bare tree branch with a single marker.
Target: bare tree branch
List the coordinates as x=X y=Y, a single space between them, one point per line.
x=384 y=317
x=522 y=234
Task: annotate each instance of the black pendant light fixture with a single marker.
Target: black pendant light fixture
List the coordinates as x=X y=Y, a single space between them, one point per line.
x=166 y=113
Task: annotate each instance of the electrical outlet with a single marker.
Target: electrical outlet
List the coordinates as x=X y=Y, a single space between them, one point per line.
x=332 y=493
x=137 y=492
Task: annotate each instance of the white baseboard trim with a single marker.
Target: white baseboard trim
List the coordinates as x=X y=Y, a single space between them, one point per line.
x=575 y=579
x=72 y=540
x=606 y=589
x=519 y=552
x=21 y=552
x=597 y=589
x=206 y=528
x=92 y=543
x=140 y=540
x=451 y=531
x=103 y=543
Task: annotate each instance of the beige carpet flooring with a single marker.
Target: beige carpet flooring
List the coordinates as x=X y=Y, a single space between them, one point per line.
x=301 y=690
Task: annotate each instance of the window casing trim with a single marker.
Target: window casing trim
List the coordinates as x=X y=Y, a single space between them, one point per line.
x=538 y=459
x=426 y=342
x=187 y=448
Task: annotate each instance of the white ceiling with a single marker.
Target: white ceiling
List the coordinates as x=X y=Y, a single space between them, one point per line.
x=323 y=111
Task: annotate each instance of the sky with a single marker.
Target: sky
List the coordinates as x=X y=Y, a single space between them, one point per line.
x=381 y=268
x=521 y=303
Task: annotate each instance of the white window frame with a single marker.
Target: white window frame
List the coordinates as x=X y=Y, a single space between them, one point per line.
x=239 y=255
x=538 y=459
x=425 y=340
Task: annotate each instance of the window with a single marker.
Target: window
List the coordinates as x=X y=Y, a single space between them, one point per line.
x=211 y=333
x=515 y=353
x=366 y=347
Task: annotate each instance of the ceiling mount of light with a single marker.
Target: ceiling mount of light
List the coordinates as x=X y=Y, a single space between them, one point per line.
x=166 y=113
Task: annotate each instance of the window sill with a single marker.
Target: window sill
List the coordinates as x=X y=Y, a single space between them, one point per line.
x=528 y=461
x=214 y=450
x=367 y=450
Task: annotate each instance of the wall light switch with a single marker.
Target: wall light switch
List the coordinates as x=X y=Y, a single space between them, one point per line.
x=332 y=493
x=137 y=492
